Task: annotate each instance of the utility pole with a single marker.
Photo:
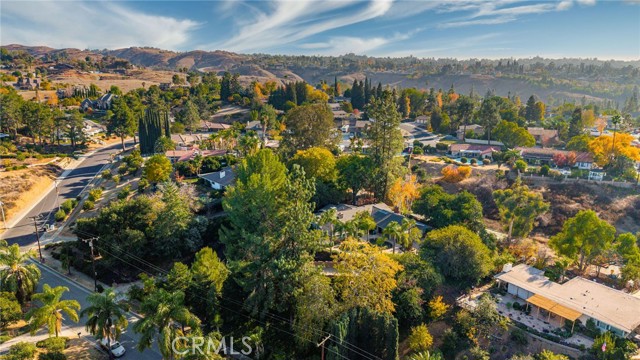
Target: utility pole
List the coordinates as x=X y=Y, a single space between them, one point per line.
x=55 y=183
x=35 y=225
x=93 y=263
x=321 y=343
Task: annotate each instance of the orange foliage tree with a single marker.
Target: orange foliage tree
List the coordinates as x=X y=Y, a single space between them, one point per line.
x=454 y=174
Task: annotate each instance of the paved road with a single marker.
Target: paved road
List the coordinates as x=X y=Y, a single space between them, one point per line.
x=23 y=232
x=416 y=131
x=128 y=339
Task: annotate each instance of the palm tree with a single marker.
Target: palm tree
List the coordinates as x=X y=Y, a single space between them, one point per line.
x=393 y=232
x=407 y=238
x=18 y=277
x=426 y=356
x=365 y=222
x=105 y=313
x=616 y=120
x=329 y=218
x=50 y=313
x=165 y=320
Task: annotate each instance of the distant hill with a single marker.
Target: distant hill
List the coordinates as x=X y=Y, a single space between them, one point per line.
x=553 y=80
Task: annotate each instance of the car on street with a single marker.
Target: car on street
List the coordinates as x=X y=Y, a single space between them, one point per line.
x=116 y=348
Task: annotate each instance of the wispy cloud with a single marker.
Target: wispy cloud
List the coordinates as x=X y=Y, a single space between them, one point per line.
x=286 y=22
x=90 y=24
x=502 y=11
x=340 y=45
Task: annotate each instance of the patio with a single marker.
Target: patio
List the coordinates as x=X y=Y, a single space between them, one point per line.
x=534 y=321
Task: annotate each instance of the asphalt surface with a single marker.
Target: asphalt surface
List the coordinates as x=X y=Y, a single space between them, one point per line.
x=128 y=339
x=416 y=131
x=23 y=232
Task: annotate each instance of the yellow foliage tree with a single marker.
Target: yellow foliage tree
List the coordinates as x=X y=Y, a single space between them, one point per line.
x=316 y=96
x=420 y=339
x=603 y=150
x=454 y=174
x=403 y=192
x=437 y=308
x=366 y=276
x=53 y=100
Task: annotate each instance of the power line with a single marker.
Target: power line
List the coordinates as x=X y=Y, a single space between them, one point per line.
x=164 y=272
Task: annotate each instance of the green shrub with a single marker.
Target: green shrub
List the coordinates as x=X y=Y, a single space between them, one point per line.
x=60 y=215
x=54 y=343
x=519 y=337
x=95 y=194
x=52 y=355
x=473 y=161
x=125 y=192
x=106 y=175
x=116 y=179
x=521 y=165
x=122 y=169
x=464 y=160
x=544 y=170
x=21 y=351
x=21 y=156
x=88 y=205
x=143 y=184
x=486 y=161
x=67 y=206
x=442 y=146
x=4 y=338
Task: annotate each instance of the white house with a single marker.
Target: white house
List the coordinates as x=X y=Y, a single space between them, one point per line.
x=219 y=180
x=578 y=299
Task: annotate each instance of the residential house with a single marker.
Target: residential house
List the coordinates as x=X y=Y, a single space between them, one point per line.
x=208 y=126
x=545 y=156
x=103 y=103
x=544 y=137
x=25 y=83
x=576 y=300
x=381 y=213
x=190 y=154
x=422 y=119
x=220 y=180
x=476 y=151
x=359 y=127
x=477 y=130
x=254 y=125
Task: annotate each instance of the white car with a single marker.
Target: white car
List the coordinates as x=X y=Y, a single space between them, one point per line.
x=116 y=348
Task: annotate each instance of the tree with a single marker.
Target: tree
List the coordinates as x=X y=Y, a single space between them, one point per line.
x=420 y=339
x=21 y=351
x=315 y=306
x=549 y=355
x=18 y=277
x=455 y=174
x=309 y=126
x=190 y=116
x=489 y=115
x=122 y=121
x=458 y=253
x=317 y=162
x=165 y=320
x=605 y=150
x=157 y=169
x=364 y=222
x=106 y=316
x=519 y=208
x=393 y=232
x=366 y=276
x=363 y=328
x=75 y=124
x=385 y=140
x=441 y=209
x=50 y=312
x=437 y=308
x=512 y=135
x=464 y=110
x=627 y=247
x=426 y=355
x=583 y=237
x=403 y=193
x=10 y=309
x=269 y=238
x=354 y=172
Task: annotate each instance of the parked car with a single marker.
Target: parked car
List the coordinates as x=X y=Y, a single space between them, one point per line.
x=116 y=348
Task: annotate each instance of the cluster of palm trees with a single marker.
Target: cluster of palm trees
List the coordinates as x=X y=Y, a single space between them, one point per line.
x=405 y=233
x=106 y=314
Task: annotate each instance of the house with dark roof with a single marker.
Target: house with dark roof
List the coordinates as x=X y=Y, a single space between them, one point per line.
x=220 y=180
x=477 y=130
x=545 y=156
x=208 y=126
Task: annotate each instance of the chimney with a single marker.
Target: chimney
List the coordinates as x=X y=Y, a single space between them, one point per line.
x=222 y=174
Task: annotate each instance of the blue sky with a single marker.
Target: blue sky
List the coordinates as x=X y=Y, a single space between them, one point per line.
x=434 y=28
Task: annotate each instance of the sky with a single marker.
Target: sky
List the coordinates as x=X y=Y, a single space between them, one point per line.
x=606 y=29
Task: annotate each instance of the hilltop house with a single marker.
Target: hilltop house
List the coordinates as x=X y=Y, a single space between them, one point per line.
x=476 y=151
x=545 y=156
x=576 y=300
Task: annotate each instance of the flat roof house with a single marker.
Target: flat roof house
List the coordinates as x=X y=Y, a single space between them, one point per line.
x=219 y=180
x=577 y=299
